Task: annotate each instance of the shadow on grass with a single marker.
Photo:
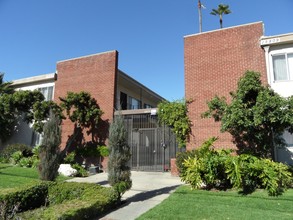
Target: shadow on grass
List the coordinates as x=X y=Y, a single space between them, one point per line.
x=144 y=195
x=16 y=175
x=4 y=167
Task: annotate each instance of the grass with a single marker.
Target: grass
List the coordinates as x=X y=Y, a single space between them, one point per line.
x=13 y=176
x=185 y=203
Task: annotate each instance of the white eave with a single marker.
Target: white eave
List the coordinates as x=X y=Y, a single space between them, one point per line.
x=276 y=40
x=51 y=77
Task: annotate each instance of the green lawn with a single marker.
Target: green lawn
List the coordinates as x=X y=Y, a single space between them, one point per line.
x=199 y=204
x=13 y=176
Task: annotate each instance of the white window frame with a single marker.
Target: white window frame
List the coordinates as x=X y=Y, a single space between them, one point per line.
x=282 y=51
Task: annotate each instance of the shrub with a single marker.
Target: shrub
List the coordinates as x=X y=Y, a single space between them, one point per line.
x=104 y=151
x=219 y=169
x=16 y=157
x=70 y=200
x=70 y=158
x=22 y=199
x=50 y=151
x=81 y=171
x=12 y=148
x=118 y=170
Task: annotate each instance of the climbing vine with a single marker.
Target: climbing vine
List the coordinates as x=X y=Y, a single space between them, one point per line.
x=174 y=114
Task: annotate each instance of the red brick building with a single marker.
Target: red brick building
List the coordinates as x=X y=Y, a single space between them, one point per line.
x=214 y=61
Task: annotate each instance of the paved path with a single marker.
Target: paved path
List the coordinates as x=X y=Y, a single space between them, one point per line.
x=148 y=190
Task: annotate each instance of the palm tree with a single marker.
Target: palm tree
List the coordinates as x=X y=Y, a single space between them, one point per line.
x=222 y=9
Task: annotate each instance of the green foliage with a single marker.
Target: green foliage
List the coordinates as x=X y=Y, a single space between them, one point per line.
x=206 y=167
x=22 y=199
x=15 y=157
x=15 y=106
x=81 y=108
x=7 y=152
x=50 y=149
x=71 y=200
x=41 y=111
x=256 y=116
x=89 y=149
x=104 y=151
x=174 y=114
x=81 y=171
x=222 y=10
x=118 y=170
x=70 y=158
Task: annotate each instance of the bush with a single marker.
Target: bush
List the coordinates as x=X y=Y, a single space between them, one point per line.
x=81 y=171
x=104 y=151
x=16 y=157
x=118 y=169
x=70 y=200
x=50 y=149
x=219 y=169
x=22 y=199
x=70 y=158
x=7 y=152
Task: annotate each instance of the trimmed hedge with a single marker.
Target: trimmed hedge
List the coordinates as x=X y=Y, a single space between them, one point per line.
x=22 y=199
x=71 y=200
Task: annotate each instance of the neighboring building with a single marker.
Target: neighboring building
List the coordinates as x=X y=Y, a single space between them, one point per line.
x=279 y=62
x=215 y=61
x=114 y=90
x=45 y=83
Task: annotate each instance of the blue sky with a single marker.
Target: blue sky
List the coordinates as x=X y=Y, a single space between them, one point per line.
x=35 y=34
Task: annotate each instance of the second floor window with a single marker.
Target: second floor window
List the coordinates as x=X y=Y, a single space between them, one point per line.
x=47 y=92
x=134 y=103
x=283 y=66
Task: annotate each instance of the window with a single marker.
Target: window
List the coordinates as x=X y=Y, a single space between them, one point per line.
x=134 y=103
x=47 y=92
x=283 y=66
x=123 y=101
x=147 y=106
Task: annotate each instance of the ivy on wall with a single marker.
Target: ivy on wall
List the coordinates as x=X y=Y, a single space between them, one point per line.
x=174 y=114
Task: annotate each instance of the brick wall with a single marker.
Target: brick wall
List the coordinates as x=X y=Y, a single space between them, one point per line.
x=214 y=62
x=95 y=74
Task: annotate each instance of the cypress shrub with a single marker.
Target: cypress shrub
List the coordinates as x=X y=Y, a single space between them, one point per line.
x=118 y=170
x=50 y=149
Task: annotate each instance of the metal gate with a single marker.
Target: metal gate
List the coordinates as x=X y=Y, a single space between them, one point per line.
x=151 y=145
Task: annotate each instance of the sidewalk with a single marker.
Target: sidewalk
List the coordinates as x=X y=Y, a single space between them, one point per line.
x=148 y=190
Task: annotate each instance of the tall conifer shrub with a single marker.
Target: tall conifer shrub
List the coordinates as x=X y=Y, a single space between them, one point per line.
x=118 y=170
x=50 y=149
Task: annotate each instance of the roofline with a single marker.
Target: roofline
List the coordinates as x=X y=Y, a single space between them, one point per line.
x=91 y=55
x=34 y=79
x=222 y=29
x=276 y=39
x=139 y=84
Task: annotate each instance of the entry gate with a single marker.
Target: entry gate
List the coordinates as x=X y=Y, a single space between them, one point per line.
x=151 y=145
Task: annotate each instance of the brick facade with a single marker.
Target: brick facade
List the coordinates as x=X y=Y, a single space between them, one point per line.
x=95 y=74
x=214 y=61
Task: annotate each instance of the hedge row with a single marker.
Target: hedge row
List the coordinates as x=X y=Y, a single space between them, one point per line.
x=68 y=200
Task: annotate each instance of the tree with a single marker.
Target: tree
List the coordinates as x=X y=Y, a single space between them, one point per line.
x=222 y=9
x=256 y=116
x=82 y=110
x=118 y=170
x=174 y=114
x=28 y=106
x=50 y=149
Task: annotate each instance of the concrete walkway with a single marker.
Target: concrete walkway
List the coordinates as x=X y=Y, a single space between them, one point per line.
x=148 y=190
